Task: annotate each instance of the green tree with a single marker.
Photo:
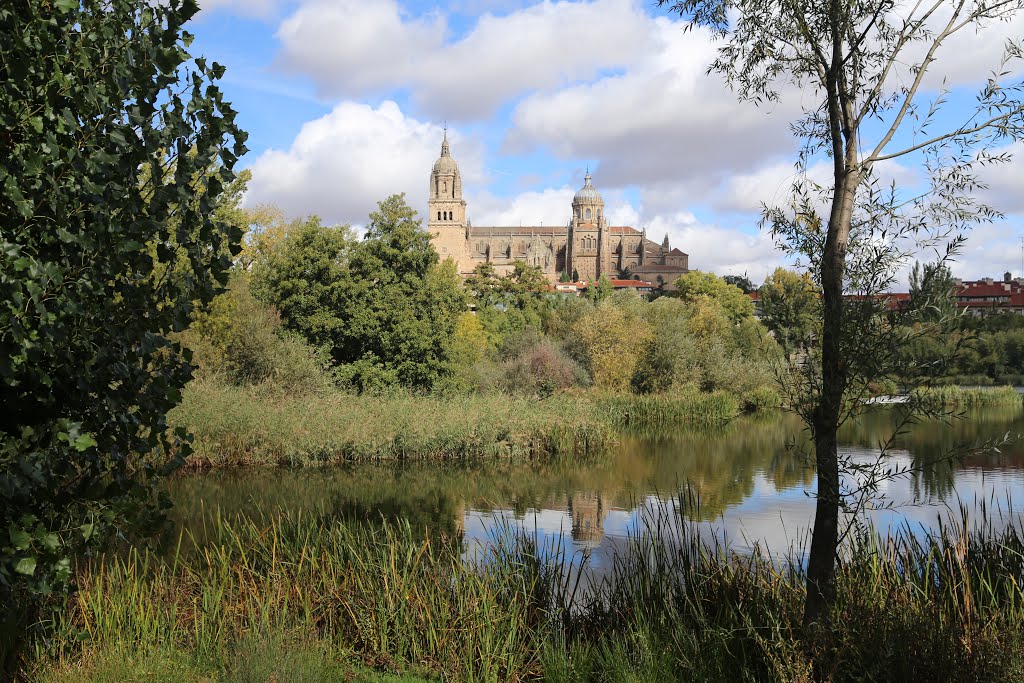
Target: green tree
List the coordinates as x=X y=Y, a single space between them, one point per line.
x=863 y=71
x=384 y=307
x=741 y=281
x=601 y=290
x=931 y=292
x=115 y=147
x=525 y=286
x=306 y=277
x=731 y=298
x=790 y=308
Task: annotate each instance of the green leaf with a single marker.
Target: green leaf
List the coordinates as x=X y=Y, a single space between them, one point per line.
x=51 y=542
x=84 y=442
x=20 y=538
x=67 y=5
x=87 y=530
x=26 y=566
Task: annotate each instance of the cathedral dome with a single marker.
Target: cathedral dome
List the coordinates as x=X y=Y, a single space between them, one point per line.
x=588 y=193
x=445 y=165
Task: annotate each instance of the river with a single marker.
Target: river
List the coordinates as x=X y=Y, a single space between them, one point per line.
x=751 y=480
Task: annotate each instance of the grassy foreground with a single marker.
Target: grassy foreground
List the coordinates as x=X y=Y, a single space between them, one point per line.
x=297 y=599
x=260 y=426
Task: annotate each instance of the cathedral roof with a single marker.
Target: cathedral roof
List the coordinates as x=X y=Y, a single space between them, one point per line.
x=445 y=164
x=587 y=193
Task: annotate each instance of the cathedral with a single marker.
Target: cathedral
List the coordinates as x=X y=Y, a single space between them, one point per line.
x=586 y=246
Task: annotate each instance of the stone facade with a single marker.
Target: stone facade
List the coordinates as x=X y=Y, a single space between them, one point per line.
x=586 y=245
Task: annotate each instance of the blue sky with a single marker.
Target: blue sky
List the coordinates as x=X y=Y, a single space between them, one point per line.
x=345 y=102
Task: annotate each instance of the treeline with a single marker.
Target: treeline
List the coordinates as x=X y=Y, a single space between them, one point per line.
x=312 y=307
x=986 y=350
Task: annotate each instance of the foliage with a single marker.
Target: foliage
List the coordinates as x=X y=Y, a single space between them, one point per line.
x=695 y=285
x=116 y=148
x=931 y=292
x=741 y=281
x=790 y=308
x=613 y=340
x=541 y=369
x=266 y=229
x=601 y=290
x=671 y=358
x=306 y=279
x=384 y=307
x=243 y=341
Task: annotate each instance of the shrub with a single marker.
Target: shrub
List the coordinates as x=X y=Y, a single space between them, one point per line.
x=542 y=369
x=242 y=341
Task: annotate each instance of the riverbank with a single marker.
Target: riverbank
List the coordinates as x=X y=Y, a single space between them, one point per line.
x=299 y=598
x=259 y=426
x=265 y=426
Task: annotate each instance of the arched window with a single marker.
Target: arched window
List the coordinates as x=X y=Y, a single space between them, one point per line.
x=588 y=213
x=599 y=213
x=438 y=215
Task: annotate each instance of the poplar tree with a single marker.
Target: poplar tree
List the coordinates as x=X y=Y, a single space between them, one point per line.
x=115 y=146
x=861 y=68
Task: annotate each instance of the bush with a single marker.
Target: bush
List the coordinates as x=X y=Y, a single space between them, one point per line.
x=242 y=341
x=542 y=369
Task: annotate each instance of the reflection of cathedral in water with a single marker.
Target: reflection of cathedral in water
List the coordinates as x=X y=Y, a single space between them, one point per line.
x=588 y=513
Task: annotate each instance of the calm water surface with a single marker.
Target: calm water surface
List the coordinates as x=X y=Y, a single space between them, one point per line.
x=751 y=479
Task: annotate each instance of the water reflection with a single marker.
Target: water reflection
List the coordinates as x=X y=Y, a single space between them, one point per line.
x=751 y=478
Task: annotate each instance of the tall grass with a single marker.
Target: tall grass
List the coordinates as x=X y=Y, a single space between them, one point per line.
x=669 y=409
x=252 y=426
x=964 y=397
x=236 y=426
x=392 y=597
x=676 y=604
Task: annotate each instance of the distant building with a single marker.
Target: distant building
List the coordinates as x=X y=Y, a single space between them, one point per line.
x=989 y=296
x=586 y=246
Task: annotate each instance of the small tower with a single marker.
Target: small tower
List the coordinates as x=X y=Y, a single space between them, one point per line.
x=446 y=209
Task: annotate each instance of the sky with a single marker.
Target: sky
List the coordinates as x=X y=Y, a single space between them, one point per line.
x=346 y=102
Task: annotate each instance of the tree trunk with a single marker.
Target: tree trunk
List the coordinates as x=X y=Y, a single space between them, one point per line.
x=821 y=572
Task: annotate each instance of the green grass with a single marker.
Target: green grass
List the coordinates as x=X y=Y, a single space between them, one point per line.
x=236 y=426
x=304 y=599
x=254 y=661
x=963 y=397
x=252 y=426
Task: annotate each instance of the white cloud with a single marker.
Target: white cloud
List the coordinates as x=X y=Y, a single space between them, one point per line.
x=1005 y=181
x=545 y=207
x=340 y=165
x=351 y=47
x=652 y=123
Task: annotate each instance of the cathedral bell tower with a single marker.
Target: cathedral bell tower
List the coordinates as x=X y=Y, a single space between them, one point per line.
x=589 y=244
x=446 y=209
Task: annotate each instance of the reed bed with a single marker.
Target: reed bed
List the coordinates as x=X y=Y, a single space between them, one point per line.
x=393 y=598
x=675 y=604
x=251 y=426
x=969 y=397
x=236 y=426
x=669 y=409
